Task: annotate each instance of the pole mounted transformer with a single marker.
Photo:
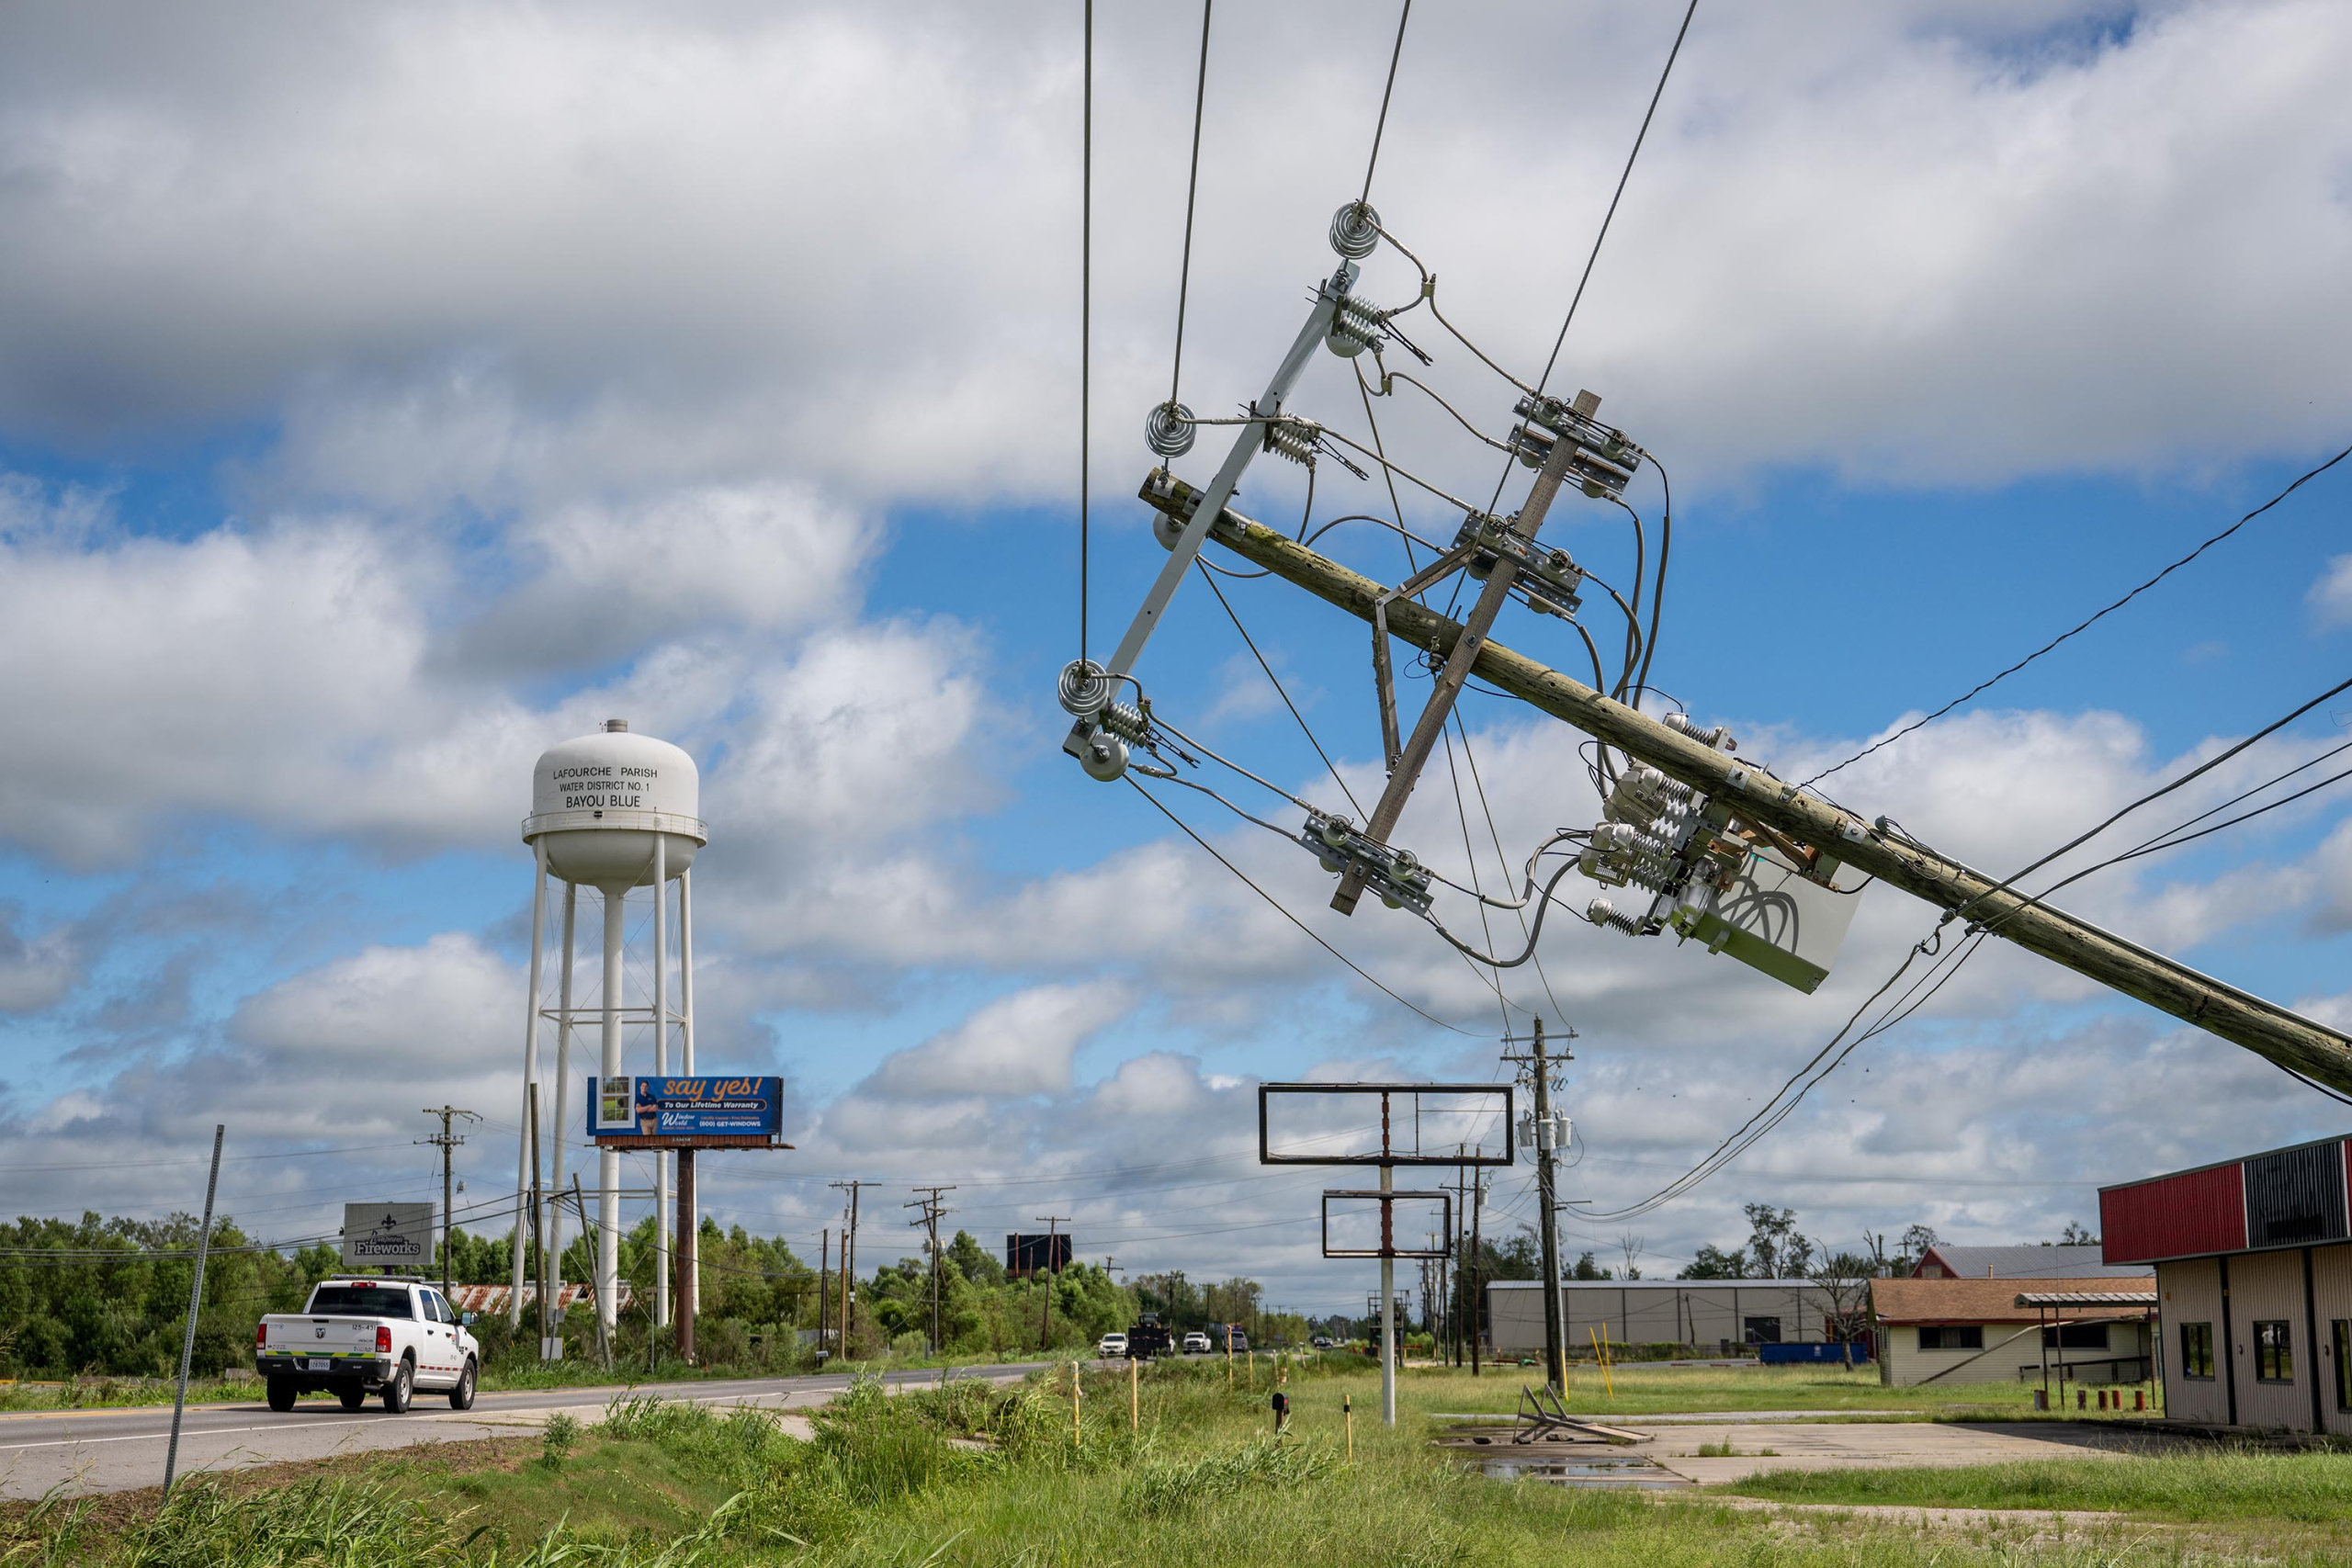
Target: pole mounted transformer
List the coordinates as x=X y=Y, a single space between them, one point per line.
x=614 y=811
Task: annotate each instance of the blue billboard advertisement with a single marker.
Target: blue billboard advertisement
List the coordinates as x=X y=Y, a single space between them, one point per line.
x=686 y=1108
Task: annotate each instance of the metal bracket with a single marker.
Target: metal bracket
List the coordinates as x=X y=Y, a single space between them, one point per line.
x=1396 y=875
x=1490 y=539
x=1247 y=444
x=1383 y=677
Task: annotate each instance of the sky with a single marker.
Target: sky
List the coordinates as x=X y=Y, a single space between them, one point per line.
x=388 y=394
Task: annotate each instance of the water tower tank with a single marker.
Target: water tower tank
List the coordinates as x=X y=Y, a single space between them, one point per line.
x=600 y=801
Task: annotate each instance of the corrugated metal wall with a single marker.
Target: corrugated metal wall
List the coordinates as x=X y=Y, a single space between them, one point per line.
x=2332 y=1292
x=2268 y=1286
x=2191 y=1292
x=2194 y=1213
x=2295 y=1197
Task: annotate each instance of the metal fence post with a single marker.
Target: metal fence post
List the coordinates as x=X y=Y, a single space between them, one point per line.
x=195 y=1301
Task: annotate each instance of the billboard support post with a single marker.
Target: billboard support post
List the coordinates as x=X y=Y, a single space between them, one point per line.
x=1392 y=1153
x=682 y=1277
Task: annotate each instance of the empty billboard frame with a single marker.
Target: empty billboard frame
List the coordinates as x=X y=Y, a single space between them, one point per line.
x=1438 y=1248
x=1417 y=1123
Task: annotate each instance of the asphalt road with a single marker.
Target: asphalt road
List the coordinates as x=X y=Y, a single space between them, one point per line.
x=117 y=1451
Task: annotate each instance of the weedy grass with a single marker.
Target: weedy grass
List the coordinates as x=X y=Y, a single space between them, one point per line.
x=2225 y=1484
x=974 y=1475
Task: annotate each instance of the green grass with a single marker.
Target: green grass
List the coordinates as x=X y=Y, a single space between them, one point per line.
x=974 y=1475
x=2234 y=1484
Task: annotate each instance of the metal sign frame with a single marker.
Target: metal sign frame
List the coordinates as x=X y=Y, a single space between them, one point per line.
x=1389 y=1153
x=1387 y=1202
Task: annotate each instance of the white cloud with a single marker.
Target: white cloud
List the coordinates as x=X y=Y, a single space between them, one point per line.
x=1941 y=244
x=2331 y=597
x=1020 y=1044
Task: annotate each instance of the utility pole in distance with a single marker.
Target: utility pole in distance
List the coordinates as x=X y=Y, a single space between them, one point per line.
x=848 y=1261
x=447 y=1141
x=929 y=1219
x=2277 y=1034
x=1539 y=1072
x=1046 y=1322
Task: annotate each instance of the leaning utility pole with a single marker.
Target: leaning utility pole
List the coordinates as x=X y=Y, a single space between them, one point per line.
x=929 y=1219
x=2271 y=1032
x=1046 y=1322
x=1539 y=1072
x=447 y=1141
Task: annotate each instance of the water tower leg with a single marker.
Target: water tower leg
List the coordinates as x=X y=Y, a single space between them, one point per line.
x=608 y=1161
x=562 y=1084
x=662 y=1238
x=530 y=1077
x=688 y=1204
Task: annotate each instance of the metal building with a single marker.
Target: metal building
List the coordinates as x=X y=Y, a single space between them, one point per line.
x=1707 y=1314
x=2253 y=1260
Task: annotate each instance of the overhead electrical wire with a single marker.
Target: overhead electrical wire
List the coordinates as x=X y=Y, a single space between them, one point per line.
x=1276 y=904
x=1305 y=729
x=1381 y=125
x=1085 y=322
x=1191 y=194
x=2082 y=625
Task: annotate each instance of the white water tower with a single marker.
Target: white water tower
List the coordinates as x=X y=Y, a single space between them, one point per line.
x=615 y=812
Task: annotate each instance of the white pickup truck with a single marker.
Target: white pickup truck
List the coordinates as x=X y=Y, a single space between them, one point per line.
x=363 y=1336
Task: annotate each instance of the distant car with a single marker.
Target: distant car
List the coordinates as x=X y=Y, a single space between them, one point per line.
x=1197 y=1343
x=1114 y=1344
x=1321 y=1342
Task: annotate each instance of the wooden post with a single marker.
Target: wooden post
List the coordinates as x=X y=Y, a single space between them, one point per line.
x=1348 y=1410
x=1073 y=1402
x=2276 y=1033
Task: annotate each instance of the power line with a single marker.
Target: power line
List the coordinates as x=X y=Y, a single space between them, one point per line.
x=1672 y=55
x=1085 y=320
x=1251 y=644
x=2083 y=626
x=1294 y=919
x=1382 y=124
x=2153 y=794
x=1191 y=192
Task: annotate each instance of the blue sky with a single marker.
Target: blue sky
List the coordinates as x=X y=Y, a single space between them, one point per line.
x=381 y=407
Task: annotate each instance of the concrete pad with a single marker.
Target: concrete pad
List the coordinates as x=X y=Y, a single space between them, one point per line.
x=1869 y=1444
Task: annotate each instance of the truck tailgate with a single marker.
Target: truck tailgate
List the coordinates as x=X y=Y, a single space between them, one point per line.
x=324 y=1338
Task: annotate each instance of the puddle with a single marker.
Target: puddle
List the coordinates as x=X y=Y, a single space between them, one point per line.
x=1559 y=1470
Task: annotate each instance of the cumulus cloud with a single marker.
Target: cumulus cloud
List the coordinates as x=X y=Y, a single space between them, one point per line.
x=2331 y=597
x=1020 y=1044
x=1907 y=240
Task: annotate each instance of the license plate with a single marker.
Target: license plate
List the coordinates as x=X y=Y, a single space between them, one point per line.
x=321 y=1364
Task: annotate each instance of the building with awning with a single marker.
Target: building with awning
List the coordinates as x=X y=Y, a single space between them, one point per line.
x=1983 y=1330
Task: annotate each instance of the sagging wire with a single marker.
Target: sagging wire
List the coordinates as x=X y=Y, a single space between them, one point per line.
x=1366 y=975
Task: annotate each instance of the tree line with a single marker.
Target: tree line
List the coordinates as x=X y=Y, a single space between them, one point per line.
x=108 y=1296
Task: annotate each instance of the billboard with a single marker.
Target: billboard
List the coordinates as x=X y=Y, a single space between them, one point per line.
x=1026 y=1253
x=683 y=1107
x=387 y=1236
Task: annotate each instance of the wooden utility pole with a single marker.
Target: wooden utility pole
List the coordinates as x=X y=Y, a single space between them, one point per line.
x=1478 y=1269
x=1046 y=1322
x=929 y=1219
x=849 y=1262
x=824 y=1283
x=1539 y=1072
x=2271 y=1032
x=446 y=1141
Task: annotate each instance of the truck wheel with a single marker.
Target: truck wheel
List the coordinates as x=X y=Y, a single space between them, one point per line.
x=353 y=1397
x=402 y=1389
x=463 y=1396
x=281 y=1395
